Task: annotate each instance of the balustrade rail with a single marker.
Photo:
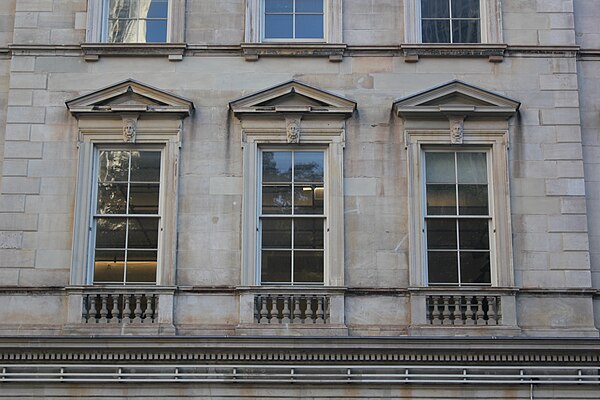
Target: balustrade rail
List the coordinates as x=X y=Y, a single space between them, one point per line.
x=291 y=309
x=449 y=309
x=121 y=307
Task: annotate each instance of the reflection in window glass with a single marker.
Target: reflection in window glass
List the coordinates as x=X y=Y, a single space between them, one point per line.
x=136 y=21
x=293 y=19
x=292 y=219
x=450 y=21
x=126 y=222
x=457 y=218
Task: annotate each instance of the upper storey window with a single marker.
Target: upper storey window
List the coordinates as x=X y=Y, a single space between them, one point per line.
x=135 y=21
x=293 y=19
x=450 y=21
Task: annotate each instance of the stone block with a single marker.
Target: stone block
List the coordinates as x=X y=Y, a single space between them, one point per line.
x=51 y=258
x=22 y=149
x=31 y=115
x=17 y=97
x=575 y=242
x=16 y=258
x=555 y=312
x=14 y=168
x=570 y=169
x=562 y=151
x=567 y=223
x=566 y=134
x=20 y=185
x=11 y=240
x=572 y=206
x=554 y=6
x=360 y=187
x=558 y=82
x=557 y=37
x=219 y=310
x=377 y=312
x=15 y=132
x=34 y=5
x=44 y=278
x=566 y=99
x=226 y=186
x=12 y=203
x=26 y=20
x=565 y=187
x=22 y=64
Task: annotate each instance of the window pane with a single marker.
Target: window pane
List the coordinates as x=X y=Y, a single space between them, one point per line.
x=434 y=31
x=113 y=166
x=145 y=166
x=123 y=31
x=465 y=9
x=112 y=198
x=474 y=234
x=442 y=267
x=277 y=166
x=475 y=267
x=308 y=266
x=472 y=167
x=278 y=6
x=122 y=9
x=473 y=199
x=308 y=233
x=309 y=6
x=154 y=31
x=109 y=266
x=440 y=167
x=441 y=200
x=278 y=26
x=276 y=266
x=435 y=9
x=465 y=31
x=308 y=200
x=110 y=233
x=143 y=198
x=308 y=166
x=143 y=233
x=309 y=26
x=154 y=8
x=277 y=199
x=141 y=266
x=276 y=233
x=441 y=234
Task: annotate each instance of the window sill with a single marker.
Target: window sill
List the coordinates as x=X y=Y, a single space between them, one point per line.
x=494 y=52
x=93 y=51
x=252 y=51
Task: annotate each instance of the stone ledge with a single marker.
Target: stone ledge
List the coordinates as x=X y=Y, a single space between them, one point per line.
x=494 y=52
x=173 y=51
x=252 y=51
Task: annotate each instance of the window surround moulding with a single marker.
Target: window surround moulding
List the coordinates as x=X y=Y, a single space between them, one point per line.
x=127 y=114
x=173 y=48
x=491 y=45
x=265 y=118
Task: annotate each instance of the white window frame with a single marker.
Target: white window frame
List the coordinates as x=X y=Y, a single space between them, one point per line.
x=98 y=22
x=490 y=22
x=93 y=215
x=490 y=216
x=495 y=143
x=326 y=209
x=255 y=24
x=331 y=144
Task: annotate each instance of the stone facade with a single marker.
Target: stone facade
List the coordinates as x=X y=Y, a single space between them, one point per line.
x=530 y=99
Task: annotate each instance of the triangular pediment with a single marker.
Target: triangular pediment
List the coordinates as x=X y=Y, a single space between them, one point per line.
x=456 y=98
x=292 y=97
x=130 y=96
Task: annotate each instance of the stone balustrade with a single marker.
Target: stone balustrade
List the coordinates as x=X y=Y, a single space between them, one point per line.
x=468 y=309
x=286 y=308
x=120 y=307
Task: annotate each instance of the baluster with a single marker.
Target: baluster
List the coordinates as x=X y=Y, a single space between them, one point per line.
x=93 y=310
x=435 y=313
x=276 y=312
x=127 y=308
x=264 y=313
x=446 y=311
x=492 y=318
x=320 y=314
x=297 y=313
x=86 y=308
x=286 y=310
x=138 y=309
x=114 y=311
x=480 y=313
x=103 y=308
x=154 y=307
x=326 y=309
x=469 y=315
